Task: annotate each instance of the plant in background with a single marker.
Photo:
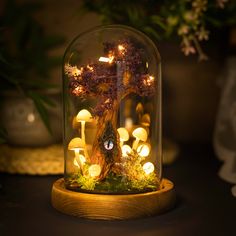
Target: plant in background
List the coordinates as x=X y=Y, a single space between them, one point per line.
x=24 y=54
x=189 y=20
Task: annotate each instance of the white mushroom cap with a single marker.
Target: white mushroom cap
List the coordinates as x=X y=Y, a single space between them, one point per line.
x=126 y=150
x=76 y=143
x=140 y=133
x=123 y=133
x=144 y=149
x=94 y=170
x=84 y=115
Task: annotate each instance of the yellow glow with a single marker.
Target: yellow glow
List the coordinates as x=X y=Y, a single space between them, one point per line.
x=94 y=170
x=111 y=58
x=104 y=59
x=75 y=162
x=76 y=144
x=121 y=48
x=123 y=133
x=149 y=80
x=126 y=149
x=128 y=123
x=90 y=67
x=82 y=159
x=84 y=115
x=79 y=89
x=139 y=134
x=76 y=72
x=148 y=168
x=76 y=150
x=79 y=160
x=107 y=59
x=143 y=150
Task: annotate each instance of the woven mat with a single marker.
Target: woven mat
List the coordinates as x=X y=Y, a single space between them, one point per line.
x=50 y=160
x=32 y=161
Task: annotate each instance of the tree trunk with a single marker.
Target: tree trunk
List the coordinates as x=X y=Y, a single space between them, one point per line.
x=106 y=148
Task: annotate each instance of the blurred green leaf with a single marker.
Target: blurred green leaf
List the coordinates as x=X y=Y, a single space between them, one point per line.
x=152 y=32
x=157 y=20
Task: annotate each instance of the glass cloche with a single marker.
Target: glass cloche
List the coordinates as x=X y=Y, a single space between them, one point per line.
x=112 y=112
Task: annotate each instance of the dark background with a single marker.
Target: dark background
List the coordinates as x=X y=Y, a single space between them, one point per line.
x=205 y=205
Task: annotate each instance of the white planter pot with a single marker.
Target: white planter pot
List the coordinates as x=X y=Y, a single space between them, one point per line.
x=23 y=124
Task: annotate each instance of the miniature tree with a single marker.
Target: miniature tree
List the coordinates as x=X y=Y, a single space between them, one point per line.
x=120 y=72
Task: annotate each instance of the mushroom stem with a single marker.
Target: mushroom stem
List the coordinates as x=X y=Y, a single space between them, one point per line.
x=83 y=138
x=77 y=152
x=83 y=130
x=121 y=143
x=135 y=144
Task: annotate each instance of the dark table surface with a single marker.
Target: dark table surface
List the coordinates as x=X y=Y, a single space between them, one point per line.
x=205 y=205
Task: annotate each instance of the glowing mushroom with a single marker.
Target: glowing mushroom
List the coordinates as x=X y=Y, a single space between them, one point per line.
x=124 y=135
x=79 y=160
x=148 y=168
x=144 y=149
x=139 y=134
x=76 y=145
x=94 y=170
x=83 y=116
x=126 y=150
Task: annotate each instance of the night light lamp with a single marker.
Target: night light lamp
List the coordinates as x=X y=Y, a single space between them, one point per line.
x=112 y=127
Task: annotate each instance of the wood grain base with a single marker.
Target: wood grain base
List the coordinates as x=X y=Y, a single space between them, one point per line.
x=113 y=207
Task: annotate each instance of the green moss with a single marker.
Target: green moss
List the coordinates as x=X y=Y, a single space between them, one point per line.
x=86 y=183
x=131 y=178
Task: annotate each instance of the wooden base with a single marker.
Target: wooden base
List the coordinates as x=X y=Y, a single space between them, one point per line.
x=112 y=207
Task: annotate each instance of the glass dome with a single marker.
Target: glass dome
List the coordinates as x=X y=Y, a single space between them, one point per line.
x=112 y=112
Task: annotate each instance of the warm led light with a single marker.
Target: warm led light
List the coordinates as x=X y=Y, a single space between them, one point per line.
x=126 y=149
x=94 y=170
x=150 y=80
x=76 y=72
x=121 y=48
x=76 y=144
x=139 y=134
x=90 y=67
x=83 y=116
x=104 y=59
x=143 y=150
x=76 y=150
x=79 y=89
x=148 y=168
x=111 y=58
x=124 y=135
